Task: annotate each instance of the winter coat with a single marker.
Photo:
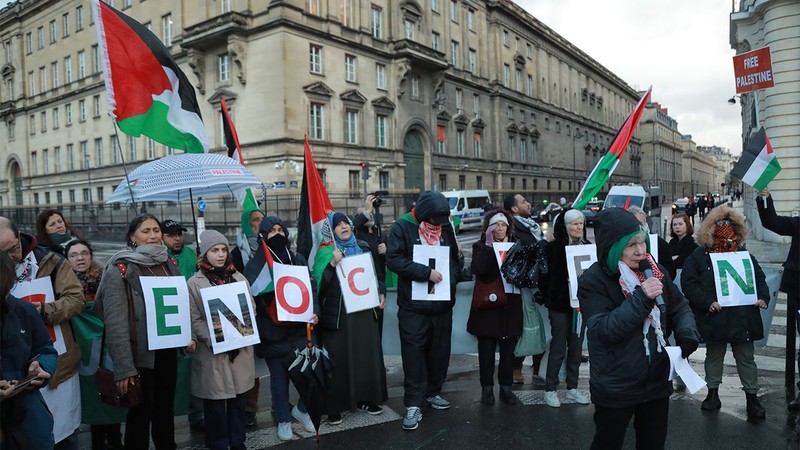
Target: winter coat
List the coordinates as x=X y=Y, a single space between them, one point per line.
x=731 y=324
x=68 y=304
x=665 y=257
x=524 y=235
x=681 y=248
x=216 y=377
x=555 y=283
x=492 y=322
x=111 y=304
x=403 y=236
x=784 y=226
x=361 y=230
x=621 y=373
x=25 y=419
x=330 y=293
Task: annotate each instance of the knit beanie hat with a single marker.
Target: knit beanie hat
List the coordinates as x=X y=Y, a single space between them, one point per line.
x=499 y=217
x=210 y=238
x=337 y=218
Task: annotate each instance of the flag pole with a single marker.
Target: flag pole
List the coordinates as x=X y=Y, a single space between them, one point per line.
x=122 y=158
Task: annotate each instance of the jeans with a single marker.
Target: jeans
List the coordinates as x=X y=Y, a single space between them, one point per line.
x=505 y=370
x=279 y=389
x=68 y=443
x=564 y=342
x=224 y=422
x=195 y=414
x=650 y=422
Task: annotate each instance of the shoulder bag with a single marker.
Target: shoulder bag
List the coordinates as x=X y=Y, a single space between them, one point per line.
x=489 y=295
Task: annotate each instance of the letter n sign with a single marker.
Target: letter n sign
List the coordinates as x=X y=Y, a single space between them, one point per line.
x=230 y=316
x=735 y=278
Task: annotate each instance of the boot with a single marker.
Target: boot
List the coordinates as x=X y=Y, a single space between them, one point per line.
x=518 y=379
x=755 y=410
x=794 y=405
x=507 y=396
x=712 y=402
x=487 y=395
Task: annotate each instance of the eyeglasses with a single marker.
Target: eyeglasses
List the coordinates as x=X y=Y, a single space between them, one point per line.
x=83 y=253
x=724 y=222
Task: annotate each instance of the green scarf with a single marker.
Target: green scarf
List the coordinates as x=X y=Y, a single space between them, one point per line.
x=615 y=252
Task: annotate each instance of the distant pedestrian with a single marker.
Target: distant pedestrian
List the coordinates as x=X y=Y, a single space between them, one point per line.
x=682 y=243
x=701 y=207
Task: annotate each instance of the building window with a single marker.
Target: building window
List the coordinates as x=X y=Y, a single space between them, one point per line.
x=72 y=196
x=70 y=158
x=442 y=182
x=523 y=150
x=383 y=180
x=81 y=110
x=65 y=25
x=505 y=38
x=436 y=41
x=68 y=114
x=529 y=88
x=43 y=117
x=454 y=10
x=53 y=31
x=84 y=149
x=346 y=12
x=224 y=68
x=510 y=113
x=377 y=22
x=57 y=158
x=440 y=139
x=462 y=182
x=476 y=145
x=10 y=89
x=54 y=70
x=528 y=50
x=312 y=7
x=460 y=142
x=315 y=58
x=34 y=163
x=408 y=27
x=79 y=18
x=55 y=118
x=98 y=152
x=472 y=58
x=516 y=44
x=28 y=43
x=454 y=49
x=95 y=59
x=435 y=5
x=40 y=35
x=96 y=106
x=518 y=75
x=126 y=4
x=225 y=6
x=116 y=152
x=100 y=197
x=353 y=178
x=380 y=76
x=476 y=103
x=42 y=80
x=151 y=149
x=166 y=26
x=131 y=148
x=68 y=69
x=471 y=19
x=479 y=182
x=459 y=99
x=380 y=131
x=46 y=161
x=415 y=87
x=351 y=127
x=506 y=75
x=32 y=123
x=315 y=121
x=81 y=64
x=522 y=116
x=511 y=147
x=350 y=68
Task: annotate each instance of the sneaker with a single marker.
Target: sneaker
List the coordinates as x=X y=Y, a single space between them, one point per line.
x=551 y=398
x=304 y=419
x=413 y=418
x=370 y=408
x=335 y=418
x=285 y=431
x=250 y=419
x=437 y=402
x=577 y=396
x=518 y=378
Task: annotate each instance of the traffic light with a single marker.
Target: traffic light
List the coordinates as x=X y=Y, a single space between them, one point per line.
x=365 y=171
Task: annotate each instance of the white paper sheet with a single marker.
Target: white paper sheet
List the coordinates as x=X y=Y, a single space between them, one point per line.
x=423 y=254
x=680 y=367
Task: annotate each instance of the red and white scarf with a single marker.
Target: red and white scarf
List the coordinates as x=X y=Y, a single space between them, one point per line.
x=430 y=234
x=628 y=280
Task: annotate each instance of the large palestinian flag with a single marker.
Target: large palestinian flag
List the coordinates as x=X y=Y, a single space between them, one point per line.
x=314 y=208
x=605 y=167
x=147 y=93
x=758 y=165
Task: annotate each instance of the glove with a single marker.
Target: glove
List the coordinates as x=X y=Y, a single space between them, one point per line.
x=490 y=234
x=688 y=346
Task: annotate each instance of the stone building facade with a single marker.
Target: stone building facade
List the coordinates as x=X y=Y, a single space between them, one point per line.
x=698 y=169
x=662 y=152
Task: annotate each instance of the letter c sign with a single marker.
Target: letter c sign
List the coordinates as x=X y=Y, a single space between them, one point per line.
x=280 y=295
x=352 y=282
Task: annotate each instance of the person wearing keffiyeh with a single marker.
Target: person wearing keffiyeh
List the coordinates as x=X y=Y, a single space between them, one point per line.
x=629 y=367
x=724 y=230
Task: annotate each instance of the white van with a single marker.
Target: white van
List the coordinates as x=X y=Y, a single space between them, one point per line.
x=467 y=206
x=635 y=195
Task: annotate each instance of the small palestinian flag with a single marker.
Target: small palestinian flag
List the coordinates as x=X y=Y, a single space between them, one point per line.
x=758 y=165
x=246 y=198
x=148 y=94
x=258 y=270
x=314 y=208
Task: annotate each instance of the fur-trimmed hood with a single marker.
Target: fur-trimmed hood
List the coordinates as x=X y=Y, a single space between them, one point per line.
x=705 y=236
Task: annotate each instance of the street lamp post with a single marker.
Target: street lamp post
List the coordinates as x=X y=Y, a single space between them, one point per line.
x=576 y=135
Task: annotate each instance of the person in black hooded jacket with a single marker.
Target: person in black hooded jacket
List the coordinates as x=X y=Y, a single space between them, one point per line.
x=629 y=374
x=425 y=326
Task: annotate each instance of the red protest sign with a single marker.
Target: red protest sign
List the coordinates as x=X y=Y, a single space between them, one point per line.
x=753 y=70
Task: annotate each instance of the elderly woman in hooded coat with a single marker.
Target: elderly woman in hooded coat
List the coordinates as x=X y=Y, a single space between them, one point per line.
x=724 y=230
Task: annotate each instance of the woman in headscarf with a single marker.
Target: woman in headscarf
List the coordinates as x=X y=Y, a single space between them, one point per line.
x=143 y=256
x=247 y=240
x=567 y=340
x=495 y=327
x=724 y=231
x=53 y=231
x=627 y=329
x=353 y=340
x=219 y=379
x=104 y=420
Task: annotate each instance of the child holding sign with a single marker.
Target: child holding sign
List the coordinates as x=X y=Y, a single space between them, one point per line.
x=220 y=379
x=723 y=232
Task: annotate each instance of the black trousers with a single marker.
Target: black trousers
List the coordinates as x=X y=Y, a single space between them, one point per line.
x=224 y=422
x=156 y=411
x=505 y=370
x=425 y=348
x=650 y=423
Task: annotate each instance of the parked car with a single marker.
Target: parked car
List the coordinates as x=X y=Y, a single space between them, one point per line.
x=591 y=209
x=680 y=205
x=548 y=213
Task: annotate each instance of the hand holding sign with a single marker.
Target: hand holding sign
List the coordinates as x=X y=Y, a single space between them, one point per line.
x=38 y=291
x=438 y=286
x=735 y=275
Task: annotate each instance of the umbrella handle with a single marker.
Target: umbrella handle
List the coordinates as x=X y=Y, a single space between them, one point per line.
x=309 y=327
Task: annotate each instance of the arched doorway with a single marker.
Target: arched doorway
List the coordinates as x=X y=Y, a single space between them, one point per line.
x=15 y=181
x=414 y=159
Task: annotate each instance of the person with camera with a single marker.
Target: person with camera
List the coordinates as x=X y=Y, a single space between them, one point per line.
x=367 y=227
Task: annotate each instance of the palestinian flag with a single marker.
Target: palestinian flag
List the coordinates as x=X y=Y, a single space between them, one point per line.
x=148 y=94
x=758 y=165
x=258 y=270
x=314 y=208
x=246 y=198
x=605 y=167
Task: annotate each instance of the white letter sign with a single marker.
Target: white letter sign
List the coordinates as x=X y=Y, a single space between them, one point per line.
x=169 y=319
x=40 y=290
x=579 y=258
x=358 y=282
x=293 y=293
x=654 y=246
x=500 y=252
x=230 y=316
x=736 y=278
x=438 y=258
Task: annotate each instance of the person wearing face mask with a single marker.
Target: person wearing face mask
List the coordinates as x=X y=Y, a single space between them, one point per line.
x=53 y=231
x=279 y=340
x=143 y=256
x=220 y=380
x=627 y=330
x=352 y=339
x=567 y=341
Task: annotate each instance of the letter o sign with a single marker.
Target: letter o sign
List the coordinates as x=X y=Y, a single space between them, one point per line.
x=280 y=295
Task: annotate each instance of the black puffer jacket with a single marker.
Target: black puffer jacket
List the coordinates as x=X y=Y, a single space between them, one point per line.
x=731 y=324
x=404 y=235
x=621 y=374
x=555 y=283
x=784 y=226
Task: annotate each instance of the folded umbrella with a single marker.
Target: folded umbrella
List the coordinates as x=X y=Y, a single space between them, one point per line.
x=311 y=373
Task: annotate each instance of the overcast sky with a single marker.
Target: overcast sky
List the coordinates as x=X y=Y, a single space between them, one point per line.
x=681 y=47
